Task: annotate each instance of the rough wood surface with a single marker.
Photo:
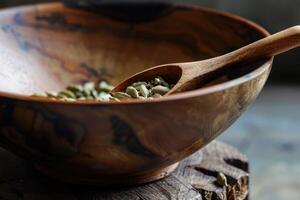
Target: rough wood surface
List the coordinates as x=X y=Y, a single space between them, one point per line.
x=195 y=178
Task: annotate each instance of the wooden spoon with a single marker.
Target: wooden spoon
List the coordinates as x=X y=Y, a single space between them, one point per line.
x=185 y=74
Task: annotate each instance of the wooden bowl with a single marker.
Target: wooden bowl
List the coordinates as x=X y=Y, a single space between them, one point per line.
x=48 y=46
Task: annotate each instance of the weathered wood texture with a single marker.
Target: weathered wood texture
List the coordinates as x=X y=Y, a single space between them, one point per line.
x=195 y=178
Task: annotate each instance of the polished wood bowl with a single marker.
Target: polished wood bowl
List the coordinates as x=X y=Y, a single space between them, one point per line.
x=48 y=46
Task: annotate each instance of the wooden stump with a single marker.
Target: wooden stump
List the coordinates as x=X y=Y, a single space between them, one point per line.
x=195 y=178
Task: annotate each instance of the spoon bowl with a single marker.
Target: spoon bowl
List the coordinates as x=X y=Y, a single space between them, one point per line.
x=171 y=73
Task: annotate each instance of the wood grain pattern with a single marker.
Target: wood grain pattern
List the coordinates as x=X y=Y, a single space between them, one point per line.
x=48 y=46
x=195 y=179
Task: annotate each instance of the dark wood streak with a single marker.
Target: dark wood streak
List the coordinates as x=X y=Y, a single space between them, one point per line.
x=57 y=21
x=102 y=73
x=64 y=128
x=27 y=46
x=125 y=137
x=23 y=44
x=89 y=69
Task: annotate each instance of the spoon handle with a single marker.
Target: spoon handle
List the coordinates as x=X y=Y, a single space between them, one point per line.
x=266 y=47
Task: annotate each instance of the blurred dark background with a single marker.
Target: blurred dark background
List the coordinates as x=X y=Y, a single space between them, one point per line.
x=273 y=15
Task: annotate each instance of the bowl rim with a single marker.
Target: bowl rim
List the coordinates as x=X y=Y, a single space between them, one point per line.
x=267 y=63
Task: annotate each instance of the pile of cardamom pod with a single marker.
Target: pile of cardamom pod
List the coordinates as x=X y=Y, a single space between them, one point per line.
x=102 y=91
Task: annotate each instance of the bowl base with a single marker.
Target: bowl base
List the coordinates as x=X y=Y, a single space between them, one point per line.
x=118 y=180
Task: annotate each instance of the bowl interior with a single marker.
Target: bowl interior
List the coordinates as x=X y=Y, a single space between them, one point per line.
x=49 y=46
